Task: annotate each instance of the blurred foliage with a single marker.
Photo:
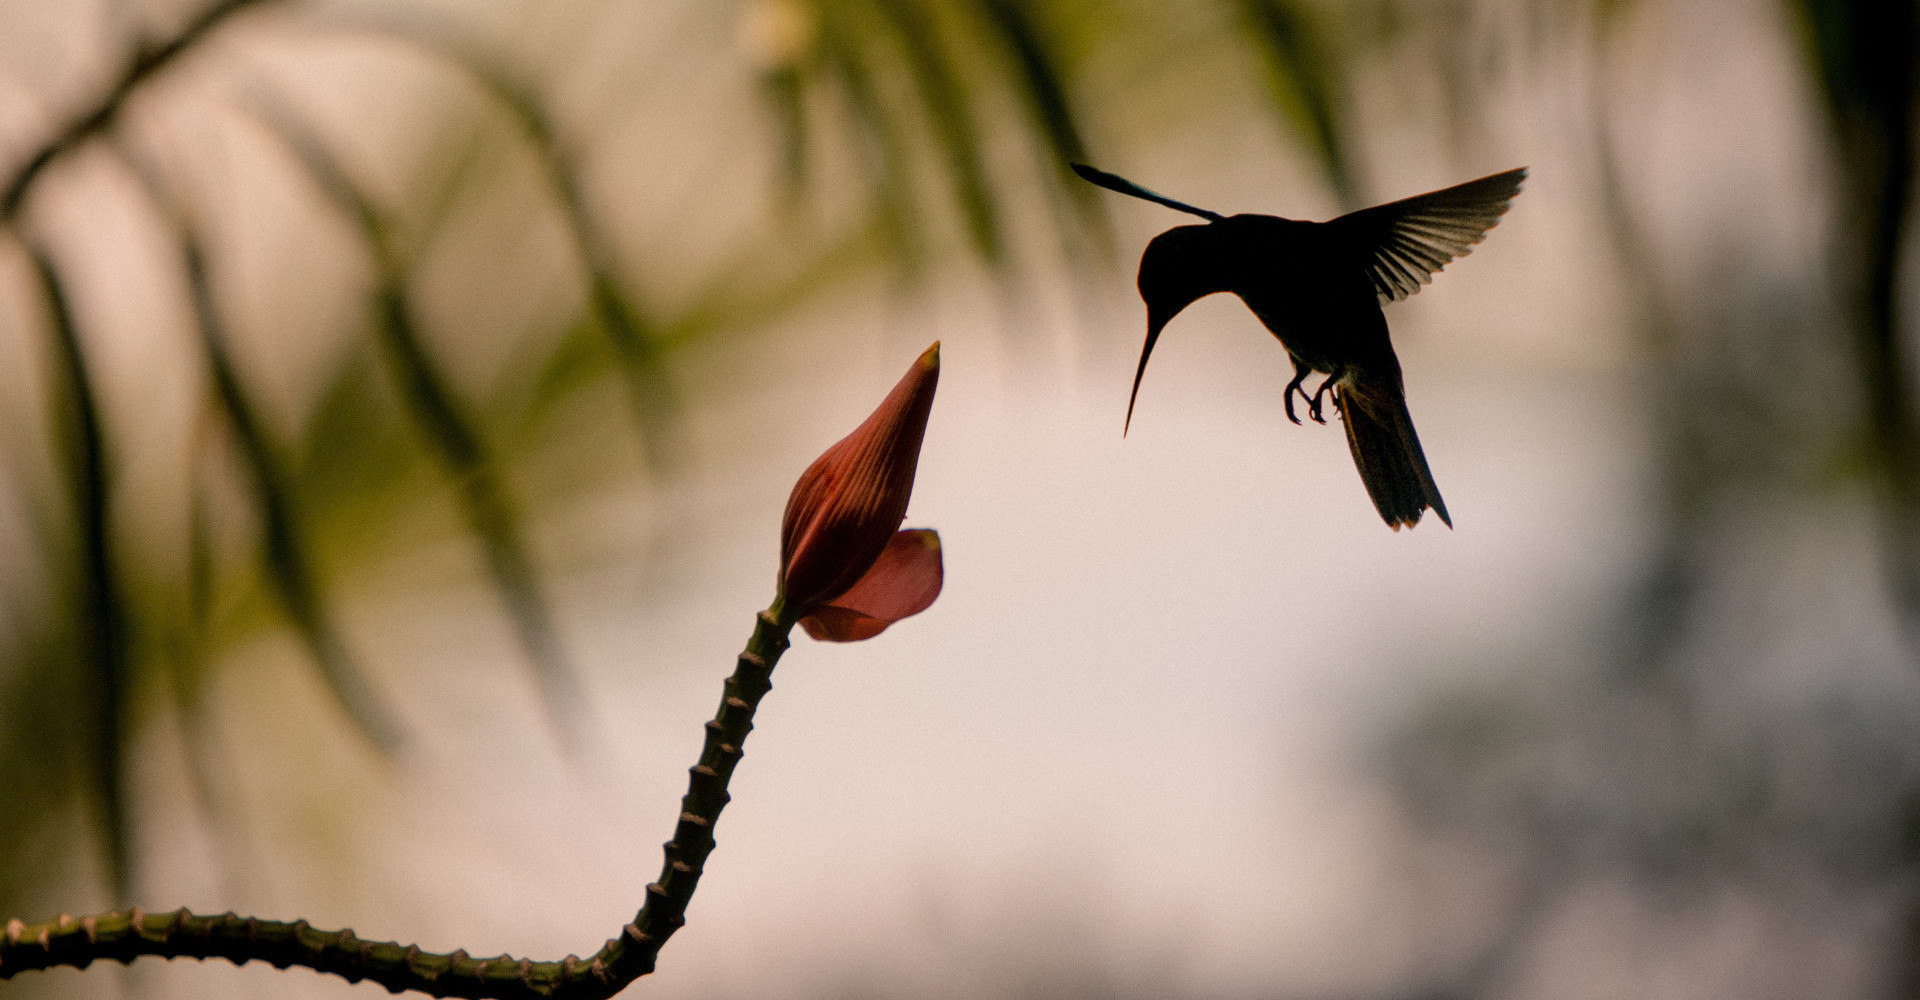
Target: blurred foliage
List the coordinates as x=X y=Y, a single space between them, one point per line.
x=919 y=92
x=1300 y=59
x=1781 y=414
x=955 y=116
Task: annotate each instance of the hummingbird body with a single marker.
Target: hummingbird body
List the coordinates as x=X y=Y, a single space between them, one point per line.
x=1310 y=299
x=1318 y=288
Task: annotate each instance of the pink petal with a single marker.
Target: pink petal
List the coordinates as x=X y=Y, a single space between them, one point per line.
x=831 y=624
x=845 y=507
x=903 y=581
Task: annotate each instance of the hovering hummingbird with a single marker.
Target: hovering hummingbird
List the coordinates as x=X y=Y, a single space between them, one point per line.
x=1318 y=288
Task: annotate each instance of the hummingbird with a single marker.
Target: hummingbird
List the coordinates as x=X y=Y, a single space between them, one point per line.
x=1318 y=288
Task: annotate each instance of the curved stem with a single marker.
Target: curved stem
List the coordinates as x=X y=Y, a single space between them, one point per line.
x=125 y=935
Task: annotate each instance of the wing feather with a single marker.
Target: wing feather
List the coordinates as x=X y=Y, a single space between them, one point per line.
x=1403 y=244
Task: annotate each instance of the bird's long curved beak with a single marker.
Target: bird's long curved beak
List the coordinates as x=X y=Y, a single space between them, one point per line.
x=1157 y=320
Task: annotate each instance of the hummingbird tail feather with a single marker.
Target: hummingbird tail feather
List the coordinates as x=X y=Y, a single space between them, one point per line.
x=1387 y=451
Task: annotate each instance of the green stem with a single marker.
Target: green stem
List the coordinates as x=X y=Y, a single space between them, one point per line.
x=125 y=935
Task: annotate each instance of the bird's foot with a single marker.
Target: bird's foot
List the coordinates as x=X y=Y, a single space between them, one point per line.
x=1313 y=402
x=1313 y=409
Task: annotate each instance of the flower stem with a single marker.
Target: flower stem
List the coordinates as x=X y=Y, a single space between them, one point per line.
x=125 y=935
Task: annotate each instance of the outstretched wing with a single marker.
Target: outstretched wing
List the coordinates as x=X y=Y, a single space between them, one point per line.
x=1404 y=243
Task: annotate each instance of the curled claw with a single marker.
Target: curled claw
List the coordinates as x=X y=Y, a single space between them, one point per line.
x=1300 y=375
x=1313 y=402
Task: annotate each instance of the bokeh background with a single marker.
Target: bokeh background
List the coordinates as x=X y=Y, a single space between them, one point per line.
x=400 y=399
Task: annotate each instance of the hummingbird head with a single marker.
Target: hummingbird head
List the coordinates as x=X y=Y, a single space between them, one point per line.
x=1180 y=266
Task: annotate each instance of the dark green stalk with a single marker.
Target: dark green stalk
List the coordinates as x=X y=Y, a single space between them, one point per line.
x=125 y=935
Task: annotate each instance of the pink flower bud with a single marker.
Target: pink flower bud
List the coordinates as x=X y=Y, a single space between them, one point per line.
x=847 y=571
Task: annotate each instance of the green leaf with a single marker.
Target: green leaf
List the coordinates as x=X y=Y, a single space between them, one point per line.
x=285 y=535
x=100 y=614
x=886 y=152
x=429 y=402
x=944 y=100
x=1306 y=85
x=620 y=316
x=1042 y=86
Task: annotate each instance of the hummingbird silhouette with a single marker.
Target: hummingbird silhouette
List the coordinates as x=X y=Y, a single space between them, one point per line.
x=1318 y=288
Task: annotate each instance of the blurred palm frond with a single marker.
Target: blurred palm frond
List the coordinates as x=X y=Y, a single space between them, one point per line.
x=285 y=534
x=100 y=616
x=1308 y=85
x=431 y=405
